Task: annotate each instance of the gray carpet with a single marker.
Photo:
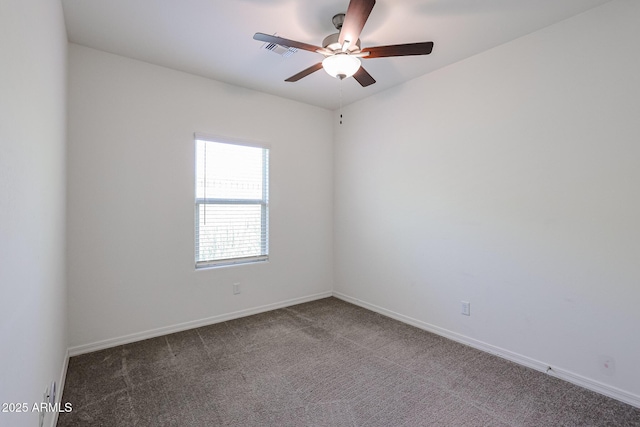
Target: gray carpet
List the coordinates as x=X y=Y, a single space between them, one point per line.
x=323 y=363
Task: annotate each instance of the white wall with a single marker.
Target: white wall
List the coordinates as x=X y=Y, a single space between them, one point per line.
x=509 y=180
x=33 y=323
x=131 y=189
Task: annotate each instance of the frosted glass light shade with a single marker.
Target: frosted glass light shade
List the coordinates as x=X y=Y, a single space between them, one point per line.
x=341 y=65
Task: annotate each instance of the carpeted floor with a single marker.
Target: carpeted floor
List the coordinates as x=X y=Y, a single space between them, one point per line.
x=323 y=363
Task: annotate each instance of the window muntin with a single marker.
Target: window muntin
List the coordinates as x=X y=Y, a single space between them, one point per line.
x=231 y=203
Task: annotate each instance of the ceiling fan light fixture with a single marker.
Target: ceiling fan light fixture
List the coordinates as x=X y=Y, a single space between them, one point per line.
x=341 y=65
x=342 y=50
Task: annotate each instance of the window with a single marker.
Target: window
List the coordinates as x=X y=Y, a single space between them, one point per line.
x=232 y=203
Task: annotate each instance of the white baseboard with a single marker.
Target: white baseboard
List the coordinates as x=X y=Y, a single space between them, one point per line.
x=60 y=388
x=593 y=385
x=139 y=336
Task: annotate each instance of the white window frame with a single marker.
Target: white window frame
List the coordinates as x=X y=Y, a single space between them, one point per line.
x=263 y=202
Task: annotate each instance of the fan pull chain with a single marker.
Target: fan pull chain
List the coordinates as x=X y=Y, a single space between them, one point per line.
x=340 y=101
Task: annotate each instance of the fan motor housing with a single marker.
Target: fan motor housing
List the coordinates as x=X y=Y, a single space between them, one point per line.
x=332 y=42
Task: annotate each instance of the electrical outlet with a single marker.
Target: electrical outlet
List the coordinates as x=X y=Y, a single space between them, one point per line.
x=236 y=288
x=466 y=308
x=52 y=393
x=42 y=412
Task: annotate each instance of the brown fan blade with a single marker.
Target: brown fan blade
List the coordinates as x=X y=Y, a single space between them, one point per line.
x=363 y=77
x=408 y=49
x=305 y=72
x=357 y=14
x=286 y=42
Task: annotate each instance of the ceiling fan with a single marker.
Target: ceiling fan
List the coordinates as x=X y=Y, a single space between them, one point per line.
x=342 y=50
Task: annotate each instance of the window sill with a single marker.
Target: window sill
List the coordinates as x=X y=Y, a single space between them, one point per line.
x=231 y=263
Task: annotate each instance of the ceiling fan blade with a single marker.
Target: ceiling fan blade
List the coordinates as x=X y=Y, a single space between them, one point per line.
x=407 y=49
x=363 y=77
x=357 y=14
x=288 y=43
x=305 y=72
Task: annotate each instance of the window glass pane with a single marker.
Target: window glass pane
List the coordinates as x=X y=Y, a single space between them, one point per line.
x=229 y=231
x=228 y=171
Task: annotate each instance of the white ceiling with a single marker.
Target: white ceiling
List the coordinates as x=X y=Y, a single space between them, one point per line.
x=214 y=38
